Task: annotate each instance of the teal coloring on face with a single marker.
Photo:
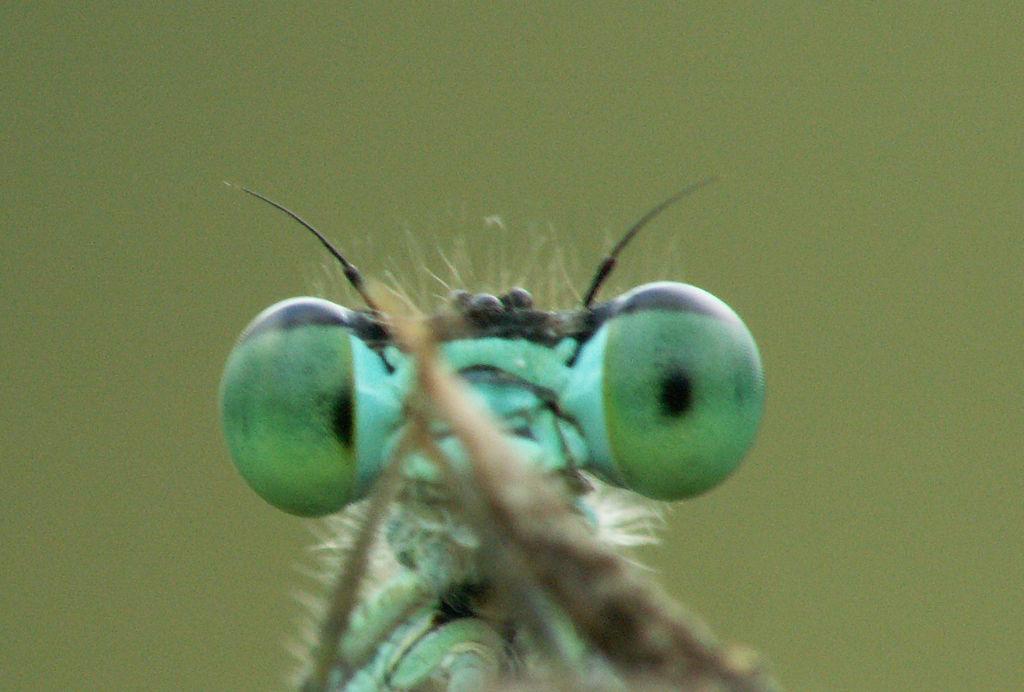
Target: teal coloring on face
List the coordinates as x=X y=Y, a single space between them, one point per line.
x=659 y=391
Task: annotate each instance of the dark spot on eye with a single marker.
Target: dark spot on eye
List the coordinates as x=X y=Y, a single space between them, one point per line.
x=342 y=417
x=676 y=393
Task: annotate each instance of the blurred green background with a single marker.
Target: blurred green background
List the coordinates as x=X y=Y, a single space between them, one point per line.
x=867 y=225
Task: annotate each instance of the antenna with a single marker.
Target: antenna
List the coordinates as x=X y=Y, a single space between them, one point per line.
x=608 y=263
x=351 y=272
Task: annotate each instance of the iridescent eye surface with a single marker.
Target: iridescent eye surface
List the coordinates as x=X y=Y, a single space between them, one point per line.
x=679 y=395
x=290 y=407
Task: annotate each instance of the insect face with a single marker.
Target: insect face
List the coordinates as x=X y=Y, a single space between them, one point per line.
x=659 y=390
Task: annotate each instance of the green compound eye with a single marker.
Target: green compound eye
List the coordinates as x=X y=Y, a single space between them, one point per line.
x=292 y=412
x=679 y=393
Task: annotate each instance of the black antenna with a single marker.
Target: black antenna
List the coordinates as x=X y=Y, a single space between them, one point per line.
x=351 y=273
x=608 y=263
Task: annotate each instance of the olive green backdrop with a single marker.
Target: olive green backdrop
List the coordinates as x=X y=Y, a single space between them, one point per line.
x=867 y=225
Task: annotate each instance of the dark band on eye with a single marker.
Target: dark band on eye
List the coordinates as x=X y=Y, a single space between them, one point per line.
x=301 y=313
x=674 y=297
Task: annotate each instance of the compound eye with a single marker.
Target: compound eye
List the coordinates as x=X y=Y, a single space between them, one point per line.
x=681 y=391
x=289 y=407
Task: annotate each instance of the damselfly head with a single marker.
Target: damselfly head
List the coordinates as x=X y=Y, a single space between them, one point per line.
x=659 y=390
